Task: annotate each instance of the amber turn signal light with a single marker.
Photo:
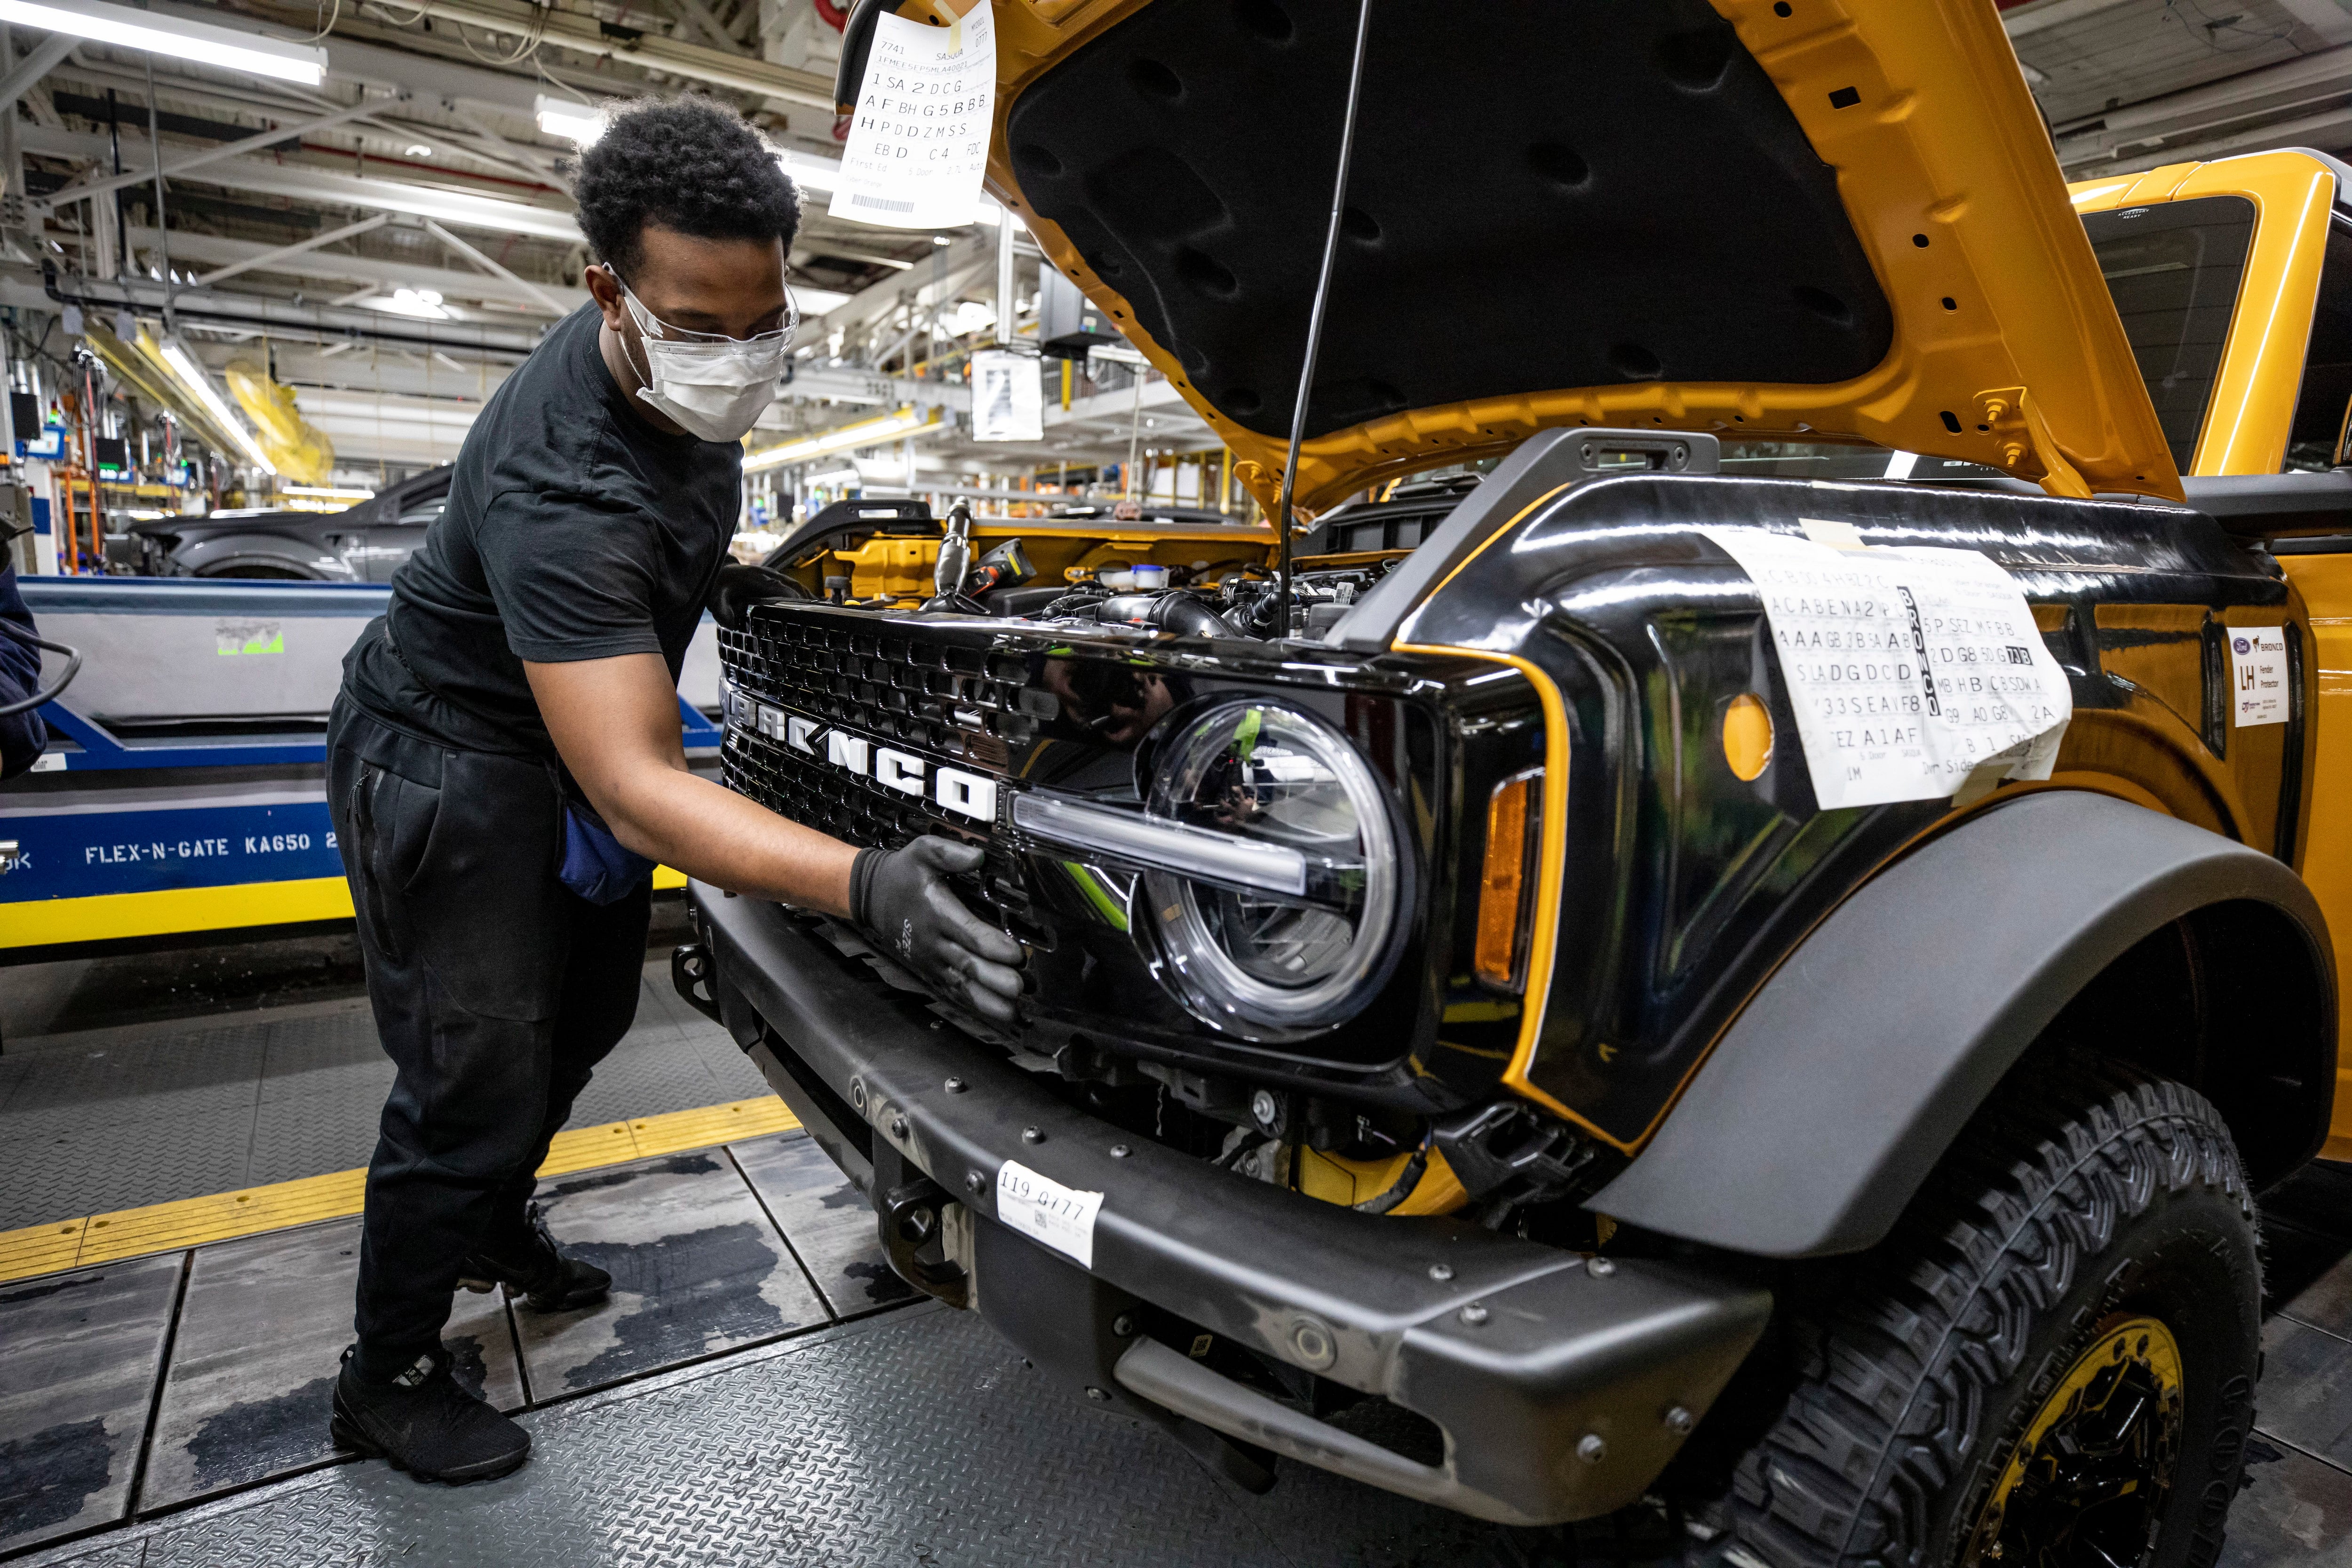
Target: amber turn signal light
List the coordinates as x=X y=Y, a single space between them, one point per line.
x=1746 y=736
x=1512 y=816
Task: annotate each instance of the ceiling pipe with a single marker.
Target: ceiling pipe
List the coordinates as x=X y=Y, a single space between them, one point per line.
x=250 y=313
x=309 y=181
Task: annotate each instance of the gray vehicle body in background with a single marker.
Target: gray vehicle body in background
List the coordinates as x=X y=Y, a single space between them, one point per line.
x=363 y=544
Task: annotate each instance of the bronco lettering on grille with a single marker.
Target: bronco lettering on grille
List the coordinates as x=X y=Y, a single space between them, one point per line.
x=965 y=794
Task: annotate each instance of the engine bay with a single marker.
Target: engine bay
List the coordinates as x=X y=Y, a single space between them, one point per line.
x=1178 y=570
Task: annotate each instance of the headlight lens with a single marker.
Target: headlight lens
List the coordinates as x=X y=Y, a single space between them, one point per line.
x=1264 y=963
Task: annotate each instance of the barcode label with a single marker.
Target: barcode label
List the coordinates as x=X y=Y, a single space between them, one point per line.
x=860 y=199
x=1041 y=1207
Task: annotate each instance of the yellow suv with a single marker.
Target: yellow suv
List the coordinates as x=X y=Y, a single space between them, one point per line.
x=1759 y=941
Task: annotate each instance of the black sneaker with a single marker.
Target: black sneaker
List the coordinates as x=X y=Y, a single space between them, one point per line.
x=533 y=1270
x=424 y=1423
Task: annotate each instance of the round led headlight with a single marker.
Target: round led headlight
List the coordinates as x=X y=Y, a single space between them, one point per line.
x=1292 y=935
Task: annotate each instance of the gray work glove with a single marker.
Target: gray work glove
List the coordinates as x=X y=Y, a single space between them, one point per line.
x=901 y=899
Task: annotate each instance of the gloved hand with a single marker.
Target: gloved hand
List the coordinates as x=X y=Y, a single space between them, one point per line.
x=901 y=899
x=738 y=588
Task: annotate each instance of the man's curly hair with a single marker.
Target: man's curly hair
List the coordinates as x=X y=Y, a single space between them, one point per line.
x=686 y=164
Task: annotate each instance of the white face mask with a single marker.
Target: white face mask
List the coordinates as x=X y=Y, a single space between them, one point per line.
x=716 y=387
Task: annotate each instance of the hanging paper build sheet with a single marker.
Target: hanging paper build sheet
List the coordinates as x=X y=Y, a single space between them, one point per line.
x=919 y=144
x=1008 y=401
x=1911 y=670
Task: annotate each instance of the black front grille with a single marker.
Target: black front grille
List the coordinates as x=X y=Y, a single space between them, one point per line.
x=954 y=697
x=851 y=806
x=959 y=700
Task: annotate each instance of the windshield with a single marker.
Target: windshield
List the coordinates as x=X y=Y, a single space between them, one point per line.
x=2174 y=270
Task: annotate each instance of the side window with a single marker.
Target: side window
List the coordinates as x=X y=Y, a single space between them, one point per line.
x=2319 y=408
x=418 y=514
x=2174 y=269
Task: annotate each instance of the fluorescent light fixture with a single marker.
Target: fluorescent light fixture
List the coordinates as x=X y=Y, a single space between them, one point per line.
x=840 y=479
x=847 y=438
x=568 y=117
x=232 y=48
x=1155 y=841
x=422 y=303
x=417 y=150
x=808 y=171
x=326 y=493
x=193 y=375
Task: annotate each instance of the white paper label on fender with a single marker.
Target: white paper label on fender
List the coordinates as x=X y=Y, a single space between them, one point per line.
x=1042 y=1209
x=1910 y=669
x=919 y=144
x=2257 y=676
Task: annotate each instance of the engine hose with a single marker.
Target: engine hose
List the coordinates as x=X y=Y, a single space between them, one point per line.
x=1177 y=612
x=73 y=667
x=1078 y=602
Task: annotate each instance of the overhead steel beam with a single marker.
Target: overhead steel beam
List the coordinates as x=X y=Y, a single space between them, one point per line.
x=279 y=318
x=188 y=163
x=495 y=269
x=284 y=251
x=2334 y=126
x=349 y=60
x=380 y=273
x=966 y=260
x=310 y=184
x=2329 y=70
x=43 y=59
x=2026 y=20
x=703 y=20
x=527 y=157
x=585 y=35
x=847 y=384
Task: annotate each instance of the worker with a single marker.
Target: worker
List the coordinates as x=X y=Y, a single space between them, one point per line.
x=505 y=764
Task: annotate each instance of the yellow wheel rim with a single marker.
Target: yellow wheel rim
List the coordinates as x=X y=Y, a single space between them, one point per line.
x=2086 y=1483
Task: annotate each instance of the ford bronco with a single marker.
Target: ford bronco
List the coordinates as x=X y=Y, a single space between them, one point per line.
x=1532 y=1019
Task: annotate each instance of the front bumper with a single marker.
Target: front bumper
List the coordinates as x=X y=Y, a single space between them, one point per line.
x=1561 y=1389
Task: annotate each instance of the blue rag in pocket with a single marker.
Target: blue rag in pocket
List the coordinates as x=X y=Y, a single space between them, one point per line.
x=595 y=865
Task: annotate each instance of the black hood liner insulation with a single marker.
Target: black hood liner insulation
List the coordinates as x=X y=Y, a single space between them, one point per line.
x=1547 y=193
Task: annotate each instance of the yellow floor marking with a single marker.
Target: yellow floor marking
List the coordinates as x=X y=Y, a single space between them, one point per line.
x=711 y=1124
x=221 y=1217
x=41 y=1250
x=585 y=1148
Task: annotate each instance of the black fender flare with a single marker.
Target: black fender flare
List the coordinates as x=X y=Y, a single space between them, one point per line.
x=1850 y=1071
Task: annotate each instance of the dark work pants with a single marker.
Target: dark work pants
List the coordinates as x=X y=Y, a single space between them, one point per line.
x=496 y=990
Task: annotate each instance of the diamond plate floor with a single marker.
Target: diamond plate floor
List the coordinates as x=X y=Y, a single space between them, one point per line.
x=149 y=1112
x=760 y=1390
x=912 y=1436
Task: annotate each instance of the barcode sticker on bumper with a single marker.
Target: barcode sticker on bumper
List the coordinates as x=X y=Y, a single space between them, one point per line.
x=1042 y=1209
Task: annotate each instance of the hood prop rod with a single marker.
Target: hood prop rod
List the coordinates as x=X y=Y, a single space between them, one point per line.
x=1315 y=319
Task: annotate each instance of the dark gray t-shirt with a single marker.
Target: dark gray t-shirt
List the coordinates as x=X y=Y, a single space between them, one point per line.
x=574 y=530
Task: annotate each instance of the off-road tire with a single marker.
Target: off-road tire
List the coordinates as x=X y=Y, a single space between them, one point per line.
x=2085 y=1190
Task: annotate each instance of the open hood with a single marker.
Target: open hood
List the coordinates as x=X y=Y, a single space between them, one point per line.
x=1807 y=218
